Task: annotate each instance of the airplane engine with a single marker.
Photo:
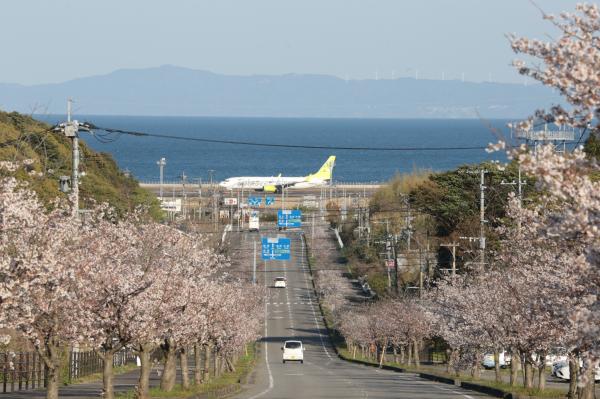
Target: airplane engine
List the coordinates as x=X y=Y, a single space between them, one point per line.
x=270 y=189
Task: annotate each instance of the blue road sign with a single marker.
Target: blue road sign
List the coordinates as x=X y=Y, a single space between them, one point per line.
x=289 y=218
x=276 y=248
x=254 y=201
x=269 y=200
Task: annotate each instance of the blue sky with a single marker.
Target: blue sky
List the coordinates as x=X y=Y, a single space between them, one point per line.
x=51 y=41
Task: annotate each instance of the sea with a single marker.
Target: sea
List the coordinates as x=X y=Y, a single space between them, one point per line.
x=199 y=160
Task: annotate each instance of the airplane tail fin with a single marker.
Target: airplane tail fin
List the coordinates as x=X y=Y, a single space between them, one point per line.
x=326 y=170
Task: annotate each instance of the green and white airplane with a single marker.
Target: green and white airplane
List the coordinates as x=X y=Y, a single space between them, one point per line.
x=275 y=184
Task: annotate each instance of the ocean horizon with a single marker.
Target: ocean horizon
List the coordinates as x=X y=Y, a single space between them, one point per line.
x=139 y=155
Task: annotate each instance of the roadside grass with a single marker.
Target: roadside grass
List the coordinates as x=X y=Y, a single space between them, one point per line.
x=242 y=368
x=98 y=376
x=534 y=392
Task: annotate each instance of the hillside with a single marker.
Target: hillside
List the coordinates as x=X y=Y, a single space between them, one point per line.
x=175 y=91
x=21 y=137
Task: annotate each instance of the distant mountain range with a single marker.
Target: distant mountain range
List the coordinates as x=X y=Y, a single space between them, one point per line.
x=171 y=91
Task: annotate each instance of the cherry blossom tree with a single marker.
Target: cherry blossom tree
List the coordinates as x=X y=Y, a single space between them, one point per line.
x=569 y=64
x=40 y=287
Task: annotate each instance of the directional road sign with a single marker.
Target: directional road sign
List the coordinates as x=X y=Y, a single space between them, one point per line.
x=276 y=248
x=254 y=201
x=289 y=218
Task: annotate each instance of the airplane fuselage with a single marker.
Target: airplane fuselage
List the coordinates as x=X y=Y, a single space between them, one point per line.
x=260 y=183
x=280 y=183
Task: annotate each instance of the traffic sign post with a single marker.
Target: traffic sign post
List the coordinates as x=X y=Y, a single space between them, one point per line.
x=289 y=218
x=276 y=248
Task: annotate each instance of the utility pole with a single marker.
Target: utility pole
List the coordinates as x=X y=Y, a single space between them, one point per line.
x=75 y=149
x=199 y=198
x=452 y=245
x=213 y=198
x=183 y=181
x=312 y=235
x=420 y=273
x=71 y=130
x=161 y=165
x=482 y=221
x=408 y=222
x=254 y=266
x=519 y=183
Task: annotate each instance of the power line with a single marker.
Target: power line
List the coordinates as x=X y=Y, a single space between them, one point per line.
x=256 y=144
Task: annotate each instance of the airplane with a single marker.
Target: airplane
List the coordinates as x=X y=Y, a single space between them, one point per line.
x=276 y=184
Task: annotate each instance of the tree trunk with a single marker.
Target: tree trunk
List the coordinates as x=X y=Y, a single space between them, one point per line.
x=207 y=350
x=53 y=382
x=167 y=380
x=353 y=351
x=448 y=360
x=197 y=368
x=498 y=377
x=541 y=374
x=588 y=390
x=230 y=365
x=185 y=371
x=108 y=376
x=515 y=361
x=395 y=354
x=475 y=370
x=382 y=358
x=402 y=354
x=217 y=365
x=416 y=355
x=573 y=374
x=409 y=348
x=528 y=374
x=51 y=353
x=146 y=365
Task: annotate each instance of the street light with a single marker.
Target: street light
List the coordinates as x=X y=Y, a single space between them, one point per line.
x=161 y=164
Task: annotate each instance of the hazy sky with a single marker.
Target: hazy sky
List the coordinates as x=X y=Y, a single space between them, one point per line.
x=51 y=41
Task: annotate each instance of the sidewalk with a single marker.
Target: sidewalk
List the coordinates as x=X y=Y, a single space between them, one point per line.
x=123 y=382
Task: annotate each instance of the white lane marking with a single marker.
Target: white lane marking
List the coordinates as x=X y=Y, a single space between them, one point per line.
x=294 y=374
x=312 y=308
x=271 y=380
x=442 y=388
x=466 y=396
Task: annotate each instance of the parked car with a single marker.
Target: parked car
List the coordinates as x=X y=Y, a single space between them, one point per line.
x=280 y=282
x=489 y=362
x=293 y=351
x=562 y=370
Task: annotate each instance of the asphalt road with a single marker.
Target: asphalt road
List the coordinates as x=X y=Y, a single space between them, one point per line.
x=292 y=313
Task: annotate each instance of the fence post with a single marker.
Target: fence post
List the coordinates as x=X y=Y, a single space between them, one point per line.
x=27 y=370
x=5 y=373
x=70 y=366
x=12 y=380
x=33 y=370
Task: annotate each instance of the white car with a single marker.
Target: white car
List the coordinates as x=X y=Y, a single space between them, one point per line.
x=280 y=282
x=489 y=362
x=293 y=351
x=561 y=370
